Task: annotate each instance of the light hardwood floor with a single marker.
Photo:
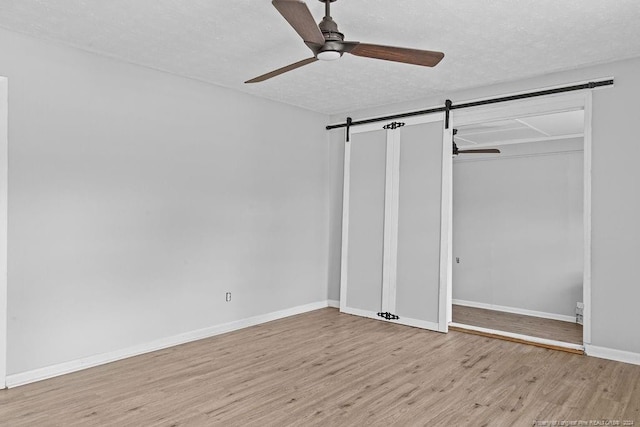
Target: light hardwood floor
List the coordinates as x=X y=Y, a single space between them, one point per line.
x=331 y=369
x=519 y=324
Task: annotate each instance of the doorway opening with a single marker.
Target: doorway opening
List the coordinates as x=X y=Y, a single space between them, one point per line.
x=521 y=225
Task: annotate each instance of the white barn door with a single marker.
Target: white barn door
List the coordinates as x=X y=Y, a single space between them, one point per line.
x=365 y=217
x=394 y=223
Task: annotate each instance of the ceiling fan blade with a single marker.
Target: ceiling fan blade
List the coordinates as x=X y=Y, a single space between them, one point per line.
x=299 y=17
x=426 y=58
x=282 y=70
x=480 y=151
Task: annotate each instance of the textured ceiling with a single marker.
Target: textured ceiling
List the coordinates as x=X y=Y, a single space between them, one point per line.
x=547 y=127
x=524 y=136
x=226 y=43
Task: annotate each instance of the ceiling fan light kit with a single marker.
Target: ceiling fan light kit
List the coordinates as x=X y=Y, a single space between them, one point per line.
x=328 y=55
x=327 y=42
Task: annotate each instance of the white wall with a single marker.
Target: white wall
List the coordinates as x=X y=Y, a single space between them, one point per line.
x=138 y=198
x=518 y=228
x=336 y=172
x=3 y=229
x=616 y=205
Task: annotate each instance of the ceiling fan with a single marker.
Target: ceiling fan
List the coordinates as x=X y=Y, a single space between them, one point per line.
x=456 y=151
x=327 y=43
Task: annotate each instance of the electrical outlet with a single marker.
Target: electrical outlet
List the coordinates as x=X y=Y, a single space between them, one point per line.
x=227 y=297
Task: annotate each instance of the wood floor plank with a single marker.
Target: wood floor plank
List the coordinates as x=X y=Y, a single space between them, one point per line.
x=325 y=368
x=519 y=324
x=524 y=340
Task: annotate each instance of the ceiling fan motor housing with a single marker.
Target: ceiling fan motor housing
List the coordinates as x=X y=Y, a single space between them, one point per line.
x=329 y=29
x=332 y=36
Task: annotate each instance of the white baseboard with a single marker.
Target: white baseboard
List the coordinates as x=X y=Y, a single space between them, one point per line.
x=542 y=314
x=612 y=354
x=333 y=303
x=423 y=324
x=39 y=374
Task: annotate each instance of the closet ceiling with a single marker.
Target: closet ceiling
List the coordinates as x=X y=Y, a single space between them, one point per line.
x=548 y=127
x=226 y=43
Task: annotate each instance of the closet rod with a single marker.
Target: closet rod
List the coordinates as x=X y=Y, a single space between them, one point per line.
x=589 y=85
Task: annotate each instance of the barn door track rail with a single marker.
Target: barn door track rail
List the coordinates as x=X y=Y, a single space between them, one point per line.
x=449 y=105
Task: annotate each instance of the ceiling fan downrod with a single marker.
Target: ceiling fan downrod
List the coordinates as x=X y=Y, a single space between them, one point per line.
x=327 y=8
x=328 y=26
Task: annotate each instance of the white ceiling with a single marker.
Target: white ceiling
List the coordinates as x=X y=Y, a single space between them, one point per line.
x=524 y=136
x=547 y=127
x=226 y=43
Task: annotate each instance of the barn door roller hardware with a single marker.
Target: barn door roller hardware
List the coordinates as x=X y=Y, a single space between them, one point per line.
x=349 y=121
x=447 y=112
x=388 y=316
x=450 y=106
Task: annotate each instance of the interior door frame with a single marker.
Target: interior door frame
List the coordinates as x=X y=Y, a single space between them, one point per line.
x=535 y=106
x=3 y=228
x=391 y=227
